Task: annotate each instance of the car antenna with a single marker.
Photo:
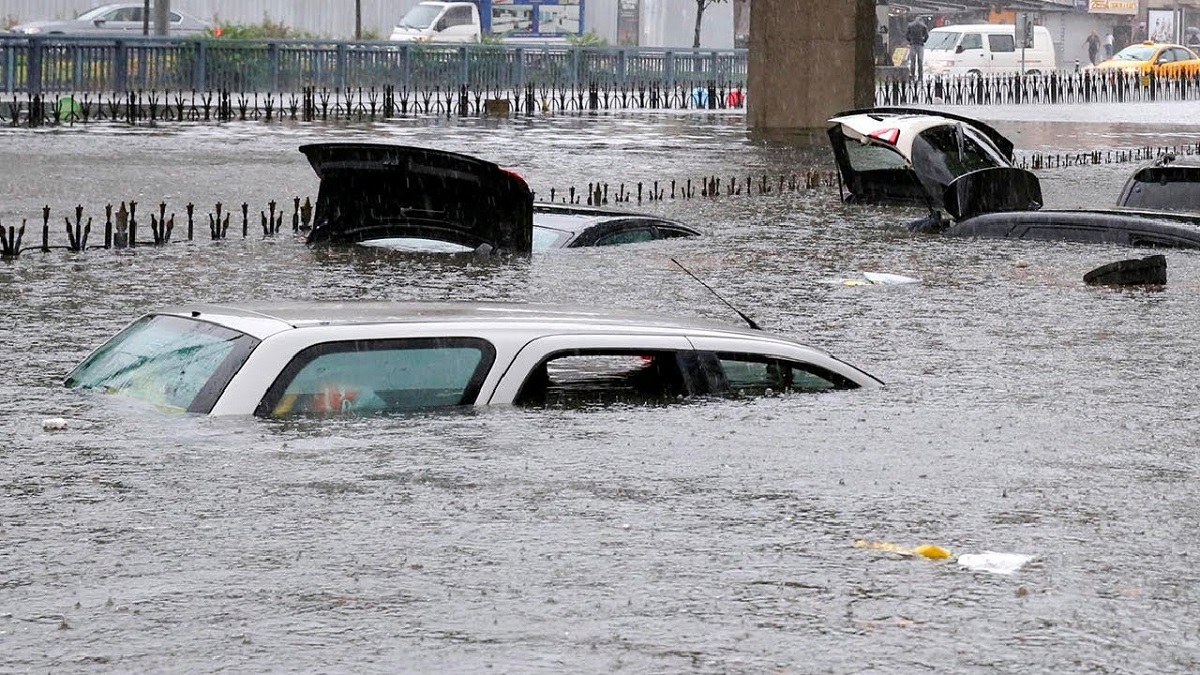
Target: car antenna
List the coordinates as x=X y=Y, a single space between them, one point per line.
x=740 y=313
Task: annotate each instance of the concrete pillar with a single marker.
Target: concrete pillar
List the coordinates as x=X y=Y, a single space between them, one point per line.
x=808 y=60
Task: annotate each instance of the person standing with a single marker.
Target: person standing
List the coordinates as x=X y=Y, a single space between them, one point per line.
x=1109 y=45
x=1093 y=47
x=916 y=34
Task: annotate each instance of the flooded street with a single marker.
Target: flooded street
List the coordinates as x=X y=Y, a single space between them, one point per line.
x=1024 y=412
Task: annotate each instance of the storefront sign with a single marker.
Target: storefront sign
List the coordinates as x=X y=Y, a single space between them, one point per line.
x=1113 y=6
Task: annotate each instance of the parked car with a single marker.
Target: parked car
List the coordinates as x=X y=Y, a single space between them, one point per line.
x=988 y=48
x=116 y=19
x=432 y=200
x=962 y=170
x=1168 y=182
x=1161 y=59
x=367 y=358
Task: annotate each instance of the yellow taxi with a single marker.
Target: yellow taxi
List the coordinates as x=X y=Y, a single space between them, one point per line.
x=1162 y=59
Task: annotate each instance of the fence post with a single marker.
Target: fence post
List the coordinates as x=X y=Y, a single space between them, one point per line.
x=200 y=67
x=33 y=71
x=10 y=75
x=575 y=59
x=121 y=67
x=623 y=66
x=520 y=70
x=273 y=61
x=464 y=68
x=340 y=74
x=669 y=70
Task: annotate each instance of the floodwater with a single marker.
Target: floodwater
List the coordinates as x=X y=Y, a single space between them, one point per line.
x=1024 y=412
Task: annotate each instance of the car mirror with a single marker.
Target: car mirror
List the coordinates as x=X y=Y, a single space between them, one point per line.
x=441 y=26
x=98 y=23
x=959 y=49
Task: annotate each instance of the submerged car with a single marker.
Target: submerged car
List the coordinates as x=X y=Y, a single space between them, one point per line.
x=432 y=200
x=122 y=19
x=374 y=358
x=962 y=170
x=1144 y=58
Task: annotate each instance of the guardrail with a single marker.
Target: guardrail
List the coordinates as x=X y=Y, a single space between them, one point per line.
x=1048 y=88
x=57 y=64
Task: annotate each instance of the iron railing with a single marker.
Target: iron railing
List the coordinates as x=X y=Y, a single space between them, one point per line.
x=59 y=64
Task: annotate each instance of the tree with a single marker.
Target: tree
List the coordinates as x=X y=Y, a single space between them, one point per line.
x=702 y=5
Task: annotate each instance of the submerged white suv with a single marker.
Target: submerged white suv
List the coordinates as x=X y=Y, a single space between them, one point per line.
x=368 y=358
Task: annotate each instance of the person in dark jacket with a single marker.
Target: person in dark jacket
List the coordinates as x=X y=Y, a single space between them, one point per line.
x=916 y=34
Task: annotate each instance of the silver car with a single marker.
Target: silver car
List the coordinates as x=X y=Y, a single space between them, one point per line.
x=375 y=358
x=120 y=19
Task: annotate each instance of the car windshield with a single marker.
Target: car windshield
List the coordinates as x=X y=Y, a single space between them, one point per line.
x=165 y=360
x=546 y=237
x=421 y=16
x=942 y=40
x=1135 y=53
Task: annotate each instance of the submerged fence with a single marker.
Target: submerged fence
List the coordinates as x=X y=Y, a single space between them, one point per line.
x=77 y=230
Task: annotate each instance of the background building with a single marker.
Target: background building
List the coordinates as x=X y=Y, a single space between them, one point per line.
x=648 y=23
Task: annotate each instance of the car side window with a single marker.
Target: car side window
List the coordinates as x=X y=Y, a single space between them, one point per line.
x=628 y=236
x=971 y=41
x=125 y=14
x=582 y=378
x=999 y=42
x=757 y=375
x=457 y=16
x=1166 y=56
x=379 y=376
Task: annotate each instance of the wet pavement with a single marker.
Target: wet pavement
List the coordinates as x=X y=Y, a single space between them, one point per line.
x=1025 y=412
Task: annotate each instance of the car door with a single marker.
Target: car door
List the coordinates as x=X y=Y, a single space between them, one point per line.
x=972 y=54
x=599 y=368
x=1003 y=52
x=367 y=376
x=124 y=21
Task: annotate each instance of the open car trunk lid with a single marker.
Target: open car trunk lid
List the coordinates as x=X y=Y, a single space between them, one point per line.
x=377 y=191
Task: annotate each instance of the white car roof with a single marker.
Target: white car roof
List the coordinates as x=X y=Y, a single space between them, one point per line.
x=264 y=319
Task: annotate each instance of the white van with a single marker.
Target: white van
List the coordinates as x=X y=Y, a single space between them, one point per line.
x=987 y=48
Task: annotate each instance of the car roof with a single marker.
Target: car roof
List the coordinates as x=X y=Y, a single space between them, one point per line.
x=264 y=319
x=575 y=219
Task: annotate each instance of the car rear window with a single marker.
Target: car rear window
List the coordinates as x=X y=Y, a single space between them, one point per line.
x=757 y=375
x=380 y=376
x=1166 y=188
x=172 y=362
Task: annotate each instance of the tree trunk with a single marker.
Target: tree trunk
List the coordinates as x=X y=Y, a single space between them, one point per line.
x=700 y=4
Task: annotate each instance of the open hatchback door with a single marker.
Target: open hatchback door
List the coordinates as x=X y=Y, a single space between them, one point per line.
x=373 y=191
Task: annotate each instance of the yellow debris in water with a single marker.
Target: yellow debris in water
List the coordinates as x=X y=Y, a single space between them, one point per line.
x=927 y=550
x=932 y=552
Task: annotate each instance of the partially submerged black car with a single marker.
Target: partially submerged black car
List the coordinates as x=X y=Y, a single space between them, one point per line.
x=431 y=200
x=963 y=171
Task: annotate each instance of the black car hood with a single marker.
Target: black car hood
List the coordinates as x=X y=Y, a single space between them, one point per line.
x=376 y=191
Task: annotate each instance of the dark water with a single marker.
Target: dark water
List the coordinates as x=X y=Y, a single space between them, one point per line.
x=1025 y=412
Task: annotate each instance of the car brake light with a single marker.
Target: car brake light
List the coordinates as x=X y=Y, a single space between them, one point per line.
x=889 y=136
x=516 y=175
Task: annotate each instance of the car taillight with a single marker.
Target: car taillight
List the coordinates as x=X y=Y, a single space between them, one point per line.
x=516 y=175
x=889 y=136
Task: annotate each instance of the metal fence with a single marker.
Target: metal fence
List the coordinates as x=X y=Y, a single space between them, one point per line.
x=48 y=65
x=1050 y=88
